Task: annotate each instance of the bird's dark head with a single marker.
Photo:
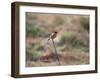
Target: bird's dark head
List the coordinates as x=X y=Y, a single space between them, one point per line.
x=56 y=32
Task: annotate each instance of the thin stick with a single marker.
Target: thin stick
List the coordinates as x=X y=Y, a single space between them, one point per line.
x=56 y=52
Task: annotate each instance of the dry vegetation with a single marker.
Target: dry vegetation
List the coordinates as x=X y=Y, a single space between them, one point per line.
x=72 y=41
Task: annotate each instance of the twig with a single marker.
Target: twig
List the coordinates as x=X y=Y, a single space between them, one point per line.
x=56 y=52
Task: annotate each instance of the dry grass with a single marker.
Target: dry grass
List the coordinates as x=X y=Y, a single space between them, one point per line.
x=72 y=42
x=65 y=59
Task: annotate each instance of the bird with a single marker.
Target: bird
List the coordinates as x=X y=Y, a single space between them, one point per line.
x=53 y=35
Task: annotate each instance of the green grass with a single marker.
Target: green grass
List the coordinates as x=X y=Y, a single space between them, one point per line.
x=34 y=30
x=31 y=54
x=71 y=41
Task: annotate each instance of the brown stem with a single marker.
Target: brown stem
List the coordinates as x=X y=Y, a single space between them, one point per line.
x=56 y=52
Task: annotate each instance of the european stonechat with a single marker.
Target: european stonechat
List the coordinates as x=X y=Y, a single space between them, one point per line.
x=53 y=35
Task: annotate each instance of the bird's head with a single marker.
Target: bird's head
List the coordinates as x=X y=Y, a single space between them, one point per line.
x=56 y=32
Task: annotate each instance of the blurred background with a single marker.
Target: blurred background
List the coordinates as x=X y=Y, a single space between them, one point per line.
x=72 y=41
